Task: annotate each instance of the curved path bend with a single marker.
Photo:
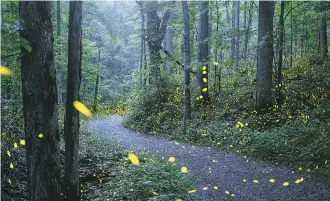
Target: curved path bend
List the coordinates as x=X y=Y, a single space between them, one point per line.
x=227 y=170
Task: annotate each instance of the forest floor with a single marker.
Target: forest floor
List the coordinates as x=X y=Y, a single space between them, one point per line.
x=227 y=176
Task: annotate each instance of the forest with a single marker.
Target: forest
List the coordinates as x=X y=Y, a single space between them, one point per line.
x=165 y=100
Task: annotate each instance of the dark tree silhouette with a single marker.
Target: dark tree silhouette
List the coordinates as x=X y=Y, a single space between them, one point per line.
x=71 y=126
x=40 y=102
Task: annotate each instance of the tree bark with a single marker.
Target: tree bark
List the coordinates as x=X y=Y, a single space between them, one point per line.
x=187 y=103
x=244 y=25
x=247 y=32
x=40 y=102
x=71 y=127
x=156 y=29
x=280 y=54
x=96 y=91
x=58 y=17
x=227 y=12
x=216 y=48
x=145 y=62
x=323 y=32
x=169 y=40
x=265 y=55
x=203 y=53
x=59 y=72
x=142 y=44
x=291 y=38
x=232 y=55
x=235 y=36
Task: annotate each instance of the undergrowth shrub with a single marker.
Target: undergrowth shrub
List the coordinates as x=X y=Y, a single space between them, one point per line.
x=150 y=107
x=107 y=174
x=294 y=133
x=291 y=144
x=154 y=181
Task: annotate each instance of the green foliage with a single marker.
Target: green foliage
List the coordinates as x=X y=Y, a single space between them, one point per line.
x=296 y=145
x=26 y=45
x=154 y=181
x=105 y=109
x=294 y=133
x=106 y=173
x=149 y=108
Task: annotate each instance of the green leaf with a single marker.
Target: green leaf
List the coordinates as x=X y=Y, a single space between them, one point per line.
x=26 y=45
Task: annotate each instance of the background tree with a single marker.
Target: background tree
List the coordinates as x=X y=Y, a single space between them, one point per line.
x=187 y=103
x=59 y=68
x=156 y=29
x=203 y=53
x=168 y=42
x=236 y=34
x=40 y=102
x=323 y=31
x=265 y=55
x=280 y=53
x=72 y=123
x=247 y=30
x=143 y=55
x=96 y=92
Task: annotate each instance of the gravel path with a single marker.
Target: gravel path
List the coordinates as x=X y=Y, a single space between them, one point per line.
x=227 y=170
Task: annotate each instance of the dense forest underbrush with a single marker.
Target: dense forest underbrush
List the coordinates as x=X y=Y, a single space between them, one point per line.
x=105 y=174
x=295 y=133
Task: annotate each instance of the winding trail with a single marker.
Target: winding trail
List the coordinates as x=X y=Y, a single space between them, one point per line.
x=227 y=172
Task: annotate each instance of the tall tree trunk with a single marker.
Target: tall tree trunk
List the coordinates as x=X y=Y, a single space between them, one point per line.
x=71 y=127
x=237 y=33
x=302 y=38
x=96 y=91
x=247 y=32
x=235 y=36
x=58 y=18
x=291 y=38
x=265 y=55
x=317 y=40
x=203 y=53
x=142 y=46
x=59 y=68
x=156 y=29
x=216 y=48
x=227 y=12
x=232 y=55
x=280 y=54
x=192 y=40
x=244 y=25
x=40 y=102
x=169 y=40
x=187 y=103
x=145 y=62
x=323 y=32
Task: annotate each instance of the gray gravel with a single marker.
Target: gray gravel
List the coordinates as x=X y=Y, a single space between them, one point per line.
x=227 y=173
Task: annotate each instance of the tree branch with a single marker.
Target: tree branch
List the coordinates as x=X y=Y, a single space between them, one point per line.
x=10 y=55
x=293 y=9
